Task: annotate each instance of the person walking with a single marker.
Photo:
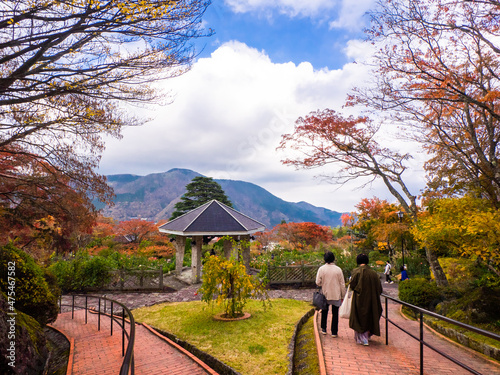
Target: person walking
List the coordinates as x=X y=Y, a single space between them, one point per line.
x=366 y=308
x=331 y=280
x=387 y=273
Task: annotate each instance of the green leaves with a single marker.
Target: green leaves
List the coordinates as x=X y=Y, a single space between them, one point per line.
x=200 y=190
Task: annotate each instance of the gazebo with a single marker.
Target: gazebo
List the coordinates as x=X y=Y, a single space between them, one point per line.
x=211 y=219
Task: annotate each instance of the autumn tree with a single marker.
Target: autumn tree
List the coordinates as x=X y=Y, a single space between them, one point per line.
x=325 y=137
x=68 y=68
x=40 y=206
x=298 y=235
x=199 y=191
x=379 y=220
x=301 y=235
x=136 y=230
x=467 y=227
x=104 y=227
x=437 y=76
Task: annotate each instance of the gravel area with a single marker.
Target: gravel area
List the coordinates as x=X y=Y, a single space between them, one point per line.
x=186 y=292
x=140 y=299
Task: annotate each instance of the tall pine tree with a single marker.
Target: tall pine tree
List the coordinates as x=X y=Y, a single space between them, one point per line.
x=200 y=191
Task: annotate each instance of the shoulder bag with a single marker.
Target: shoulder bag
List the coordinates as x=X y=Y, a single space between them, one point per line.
x=345 y=308
x=319 y=300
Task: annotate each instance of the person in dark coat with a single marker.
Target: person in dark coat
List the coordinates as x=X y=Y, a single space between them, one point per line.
x=366 y=308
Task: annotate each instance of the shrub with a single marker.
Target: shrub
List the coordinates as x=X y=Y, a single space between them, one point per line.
x=33 y=295
x=420 y=292
x=475 y=305
x=226 y=283
x=82 y=272
x=377 y=255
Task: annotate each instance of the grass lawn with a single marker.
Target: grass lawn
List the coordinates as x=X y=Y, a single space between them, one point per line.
x=255 y=346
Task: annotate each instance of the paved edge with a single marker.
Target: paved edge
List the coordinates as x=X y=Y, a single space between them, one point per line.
x=319 y=347
x=69 y=368
x=181 y=349
x=293 y=341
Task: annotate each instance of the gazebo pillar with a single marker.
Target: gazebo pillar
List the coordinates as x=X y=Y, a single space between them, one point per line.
x=196 y=259
x=180 y=246
x=227 y=246
x=245 y=249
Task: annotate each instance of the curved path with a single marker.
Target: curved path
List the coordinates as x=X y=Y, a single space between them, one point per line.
x=402 y=355
x=96 y=352
x=342 y=356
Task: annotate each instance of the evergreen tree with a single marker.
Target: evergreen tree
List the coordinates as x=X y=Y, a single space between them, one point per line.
x=200 y=191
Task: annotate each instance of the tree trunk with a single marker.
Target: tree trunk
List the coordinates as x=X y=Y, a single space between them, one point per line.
x=436 y=269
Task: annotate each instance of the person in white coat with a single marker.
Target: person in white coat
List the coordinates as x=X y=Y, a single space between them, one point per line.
x=387 y=273
x=331 y=280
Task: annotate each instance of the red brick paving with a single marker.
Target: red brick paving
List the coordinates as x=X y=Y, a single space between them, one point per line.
x=342 y=355
x=402 y=356
x=99 y=353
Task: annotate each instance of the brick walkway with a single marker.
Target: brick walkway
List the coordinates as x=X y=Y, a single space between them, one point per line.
x=99 y=353
x=342 y=355
x=401 y=356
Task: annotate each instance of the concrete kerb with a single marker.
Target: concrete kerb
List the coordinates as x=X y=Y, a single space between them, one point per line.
x=293 y=341
x=319 y=346
x=219 y=366
x=180 y=348
x=211 y=361
x=71 y=355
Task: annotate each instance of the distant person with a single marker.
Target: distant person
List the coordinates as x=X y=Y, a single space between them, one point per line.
x=366 y=307
x=387 y=273
x=331 y=280
x=404 y=274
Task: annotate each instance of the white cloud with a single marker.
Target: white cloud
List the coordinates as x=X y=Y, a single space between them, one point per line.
x=348 y=14
x=359 y=50
x=227 y=119
x=289 y=7
x=351 y=14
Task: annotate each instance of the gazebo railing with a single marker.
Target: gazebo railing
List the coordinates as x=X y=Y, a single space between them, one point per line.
x=127 y=366
x=421 y=312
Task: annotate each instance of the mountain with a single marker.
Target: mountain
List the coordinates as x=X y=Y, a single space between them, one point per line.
x=153 y=197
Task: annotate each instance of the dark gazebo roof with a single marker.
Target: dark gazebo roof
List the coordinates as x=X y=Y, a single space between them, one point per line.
x=212 y=219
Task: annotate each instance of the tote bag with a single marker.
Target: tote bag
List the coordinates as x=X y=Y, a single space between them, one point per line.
x=345 y=308
x=319 y=300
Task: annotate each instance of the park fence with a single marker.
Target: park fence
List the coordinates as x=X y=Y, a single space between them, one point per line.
x=303 y=274
x=135 y=280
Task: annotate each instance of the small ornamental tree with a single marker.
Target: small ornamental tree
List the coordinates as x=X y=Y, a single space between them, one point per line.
x=225 y=282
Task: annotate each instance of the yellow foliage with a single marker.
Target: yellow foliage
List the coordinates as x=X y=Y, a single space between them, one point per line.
x=465 y=226
x=381 y=246
x=226 y=283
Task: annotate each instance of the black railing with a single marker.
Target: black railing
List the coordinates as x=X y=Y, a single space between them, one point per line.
x=421 y=312
x=115 y=316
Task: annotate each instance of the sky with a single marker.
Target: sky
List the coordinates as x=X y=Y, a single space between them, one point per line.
x=267 y=64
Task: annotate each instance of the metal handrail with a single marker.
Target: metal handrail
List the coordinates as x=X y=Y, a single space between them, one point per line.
x=421 y=328
x=127 y=366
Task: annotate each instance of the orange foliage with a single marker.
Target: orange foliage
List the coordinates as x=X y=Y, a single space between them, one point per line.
x=136 y=230
x=297 y=235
